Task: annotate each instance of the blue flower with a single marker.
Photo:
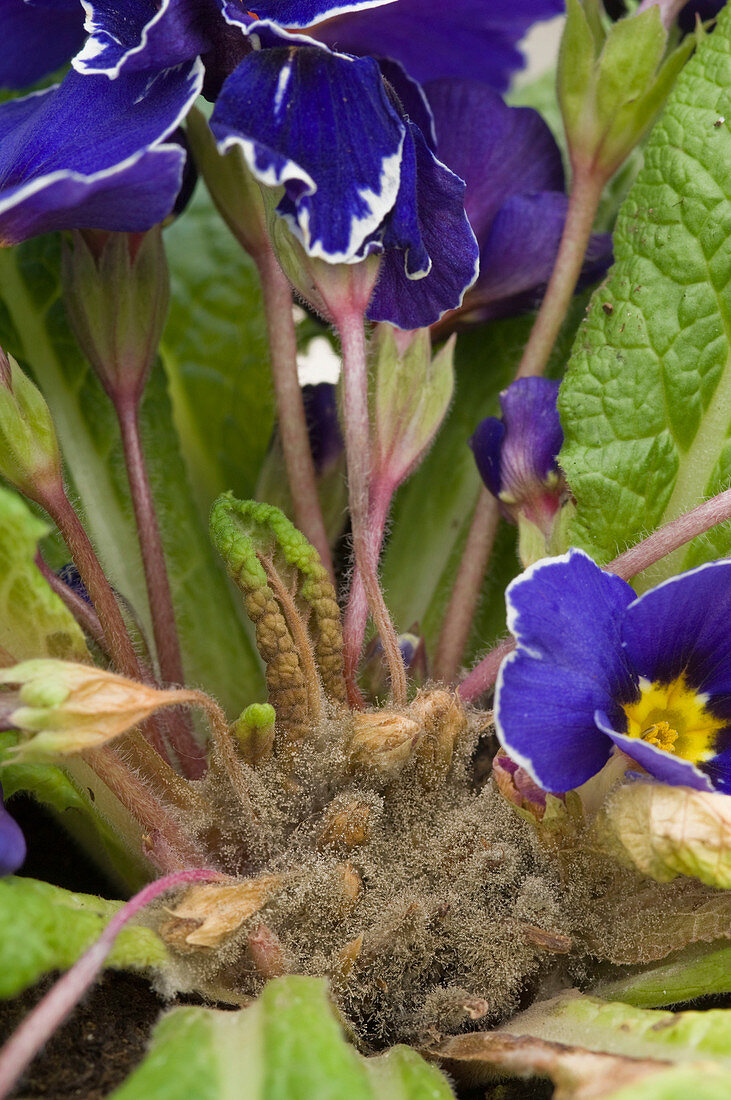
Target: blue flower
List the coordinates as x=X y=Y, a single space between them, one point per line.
x=358 y=175
x=12 y=842
x=474 y=39
x=515 y=198
x=517 y=454
x=596 y=667
x=323 y=426
x=38 y=37
x=91 y=153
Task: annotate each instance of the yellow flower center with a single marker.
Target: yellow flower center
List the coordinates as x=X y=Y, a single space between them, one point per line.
x=674 y=718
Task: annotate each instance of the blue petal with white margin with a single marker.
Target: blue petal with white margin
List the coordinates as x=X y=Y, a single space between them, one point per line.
x=401 y=296
x=38 y=38
x=321 y=125
x=90 y=153
x=566 y=616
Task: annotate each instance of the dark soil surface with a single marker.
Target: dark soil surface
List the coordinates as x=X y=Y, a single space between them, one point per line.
x=97 y=1048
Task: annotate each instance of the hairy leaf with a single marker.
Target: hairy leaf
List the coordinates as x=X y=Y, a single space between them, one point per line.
x=287 y=1046
x=647 y=399
x=34 y=622
x=45 y=928
x=217 y=651
x=698 y=971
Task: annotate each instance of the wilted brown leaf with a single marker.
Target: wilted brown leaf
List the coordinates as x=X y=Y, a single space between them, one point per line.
x=219 y=910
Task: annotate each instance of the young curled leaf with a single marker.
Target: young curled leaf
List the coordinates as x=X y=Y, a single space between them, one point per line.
x=290 y=599
x=668 y=831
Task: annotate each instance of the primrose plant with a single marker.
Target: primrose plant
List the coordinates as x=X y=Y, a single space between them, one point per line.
x=399 y=712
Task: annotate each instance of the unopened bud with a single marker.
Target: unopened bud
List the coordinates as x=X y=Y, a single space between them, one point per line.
x=612 y=83
x=412 y=392
x=232 y=186
x=346 y=826
x=29 y=454
x=267 y=953
x=383 y=741
x=68 y=708
x=517 y=786
x=349 y=887
x=116 y=292
x=346 y=959
x=254 y=733
x=443 y=720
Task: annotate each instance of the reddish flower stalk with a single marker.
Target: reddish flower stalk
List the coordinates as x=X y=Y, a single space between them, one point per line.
x=52 y=1010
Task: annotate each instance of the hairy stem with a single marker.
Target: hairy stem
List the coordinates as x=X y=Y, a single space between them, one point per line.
x=586 y=192
x=52 y=1010
x=659 y=544
x=224 y=748
x=178 y=726
x=358 y=455
x=80 y=608
x=465 y=593
x=290 y=406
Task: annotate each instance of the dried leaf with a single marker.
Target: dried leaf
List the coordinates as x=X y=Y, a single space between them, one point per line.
x=219 y=910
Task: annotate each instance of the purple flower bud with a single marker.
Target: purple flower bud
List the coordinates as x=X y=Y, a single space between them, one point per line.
x=323 y=428
x=12 y=842
x=516 y=455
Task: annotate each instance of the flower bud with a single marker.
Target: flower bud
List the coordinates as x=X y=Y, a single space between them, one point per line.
x=232 y=186
x=254 y=733
x=517 y=459
x=443 y=720
x=383 y=741
x=29 y=454
x=68 y=708
x=612 y=83
x=116 y=292
x=346 y=825
x=412 y=392
x=516 y=785
x=12 y=842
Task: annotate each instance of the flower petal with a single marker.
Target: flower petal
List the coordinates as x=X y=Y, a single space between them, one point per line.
x=466 y=38
x=303 y=13
x=566 y=616
x=38 y=38
x=683 y=626
x=144 y=34
x=499 y=151
x=321 y=125
x=448 y=241
x=486 y=444
x=89 y=153
x=12 y=842
x=663 y=765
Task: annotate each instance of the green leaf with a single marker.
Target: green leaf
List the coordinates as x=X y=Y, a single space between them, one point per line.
x=34 y=622
x=218 y=654
x=217 y=365
x=698 y=971
x=645 y=404
x=287 y=1046
x=45 y=928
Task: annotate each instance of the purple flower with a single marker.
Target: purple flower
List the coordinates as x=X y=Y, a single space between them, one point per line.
x=38 y=37
x=596 y=667
x=475 y=39
x=12 y=842
x=323 y=427
x=515 y=198
x=358 y=175
x=91 y=153
x=517 y=454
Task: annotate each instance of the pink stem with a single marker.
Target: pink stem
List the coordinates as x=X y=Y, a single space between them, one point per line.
x=460 y=611
x=296 y=448
x=52 y=1010
x=358 y=453
x=356 y=614
x=668 y=538
x=178 y=726
x=672 y=535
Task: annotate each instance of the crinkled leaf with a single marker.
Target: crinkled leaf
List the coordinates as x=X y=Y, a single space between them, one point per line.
x=667 y=831
x=33 y=620
x=45 y=928
x=698 y=971
x=645 y=405
x=217 y=651
x=215 y=354
x=598 y=1049
x=287 y=1046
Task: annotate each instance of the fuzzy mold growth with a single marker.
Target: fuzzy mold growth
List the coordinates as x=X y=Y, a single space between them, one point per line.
x=361 y=845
